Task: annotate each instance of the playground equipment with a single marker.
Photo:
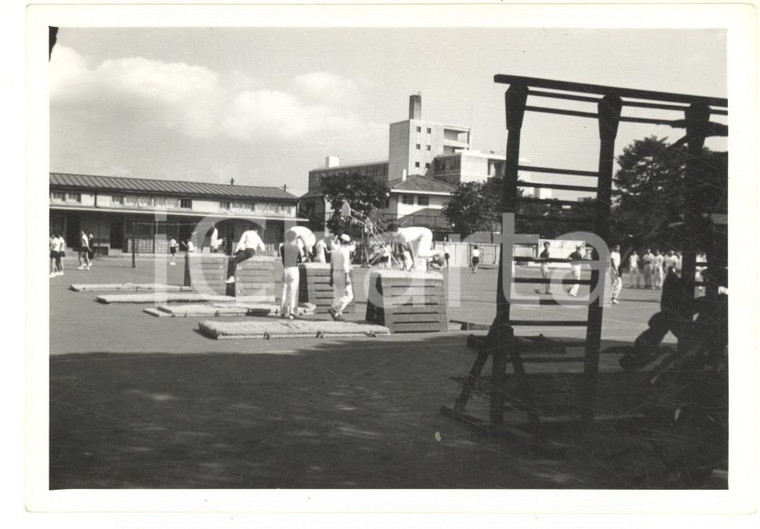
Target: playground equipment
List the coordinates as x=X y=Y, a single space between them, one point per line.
x=314 y=287
x=501 y=345
x=254 y=277
x=407 y=301
x=373 y=240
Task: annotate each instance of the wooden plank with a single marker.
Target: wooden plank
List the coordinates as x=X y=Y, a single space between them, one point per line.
x=417 y=327
x=414 y=309
x=394 y=319
x=548 y=323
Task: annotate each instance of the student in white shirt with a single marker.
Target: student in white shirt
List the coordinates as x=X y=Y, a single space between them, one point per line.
x=173 y=250
x=84 y=251
x=617 y=280
x=340 y=277
x=474 y=259
x=658 y=272
x=319 y=251
x=417 y=240
x=633 y=270
x=575 y=259
x=291 y=256
x=249 y=243
x=215 y=242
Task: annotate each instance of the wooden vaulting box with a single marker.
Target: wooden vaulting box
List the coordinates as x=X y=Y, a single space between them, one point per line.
x=407 y=301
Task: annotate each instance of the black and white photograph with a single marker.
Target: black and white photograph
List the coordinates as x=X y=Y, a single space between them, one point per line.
x=406 y=251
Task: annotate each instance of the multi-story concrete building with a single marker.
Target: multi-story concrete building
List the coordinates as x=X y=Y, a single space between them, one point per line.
x=428 y=157
x=414 y=143
x=118 y=210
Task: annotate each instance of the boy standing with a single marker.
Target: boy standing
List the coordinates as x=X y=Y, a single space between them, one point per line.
x=340 y=277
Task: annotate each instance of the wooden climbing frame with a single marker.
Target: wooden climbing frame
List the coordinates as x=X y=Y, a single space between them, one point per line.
x=501 y=346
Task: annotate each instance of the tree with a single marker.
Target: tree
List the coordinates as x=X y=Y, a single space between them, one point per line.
x=362 y=194
x=472 y=208
x=650 y=189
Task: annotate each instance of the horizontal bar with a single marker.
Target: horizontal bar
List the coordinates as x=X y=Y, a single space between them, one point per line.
x=570 y=97
x=563 y=187
x=550 y=218
x=542 y=281
x=701 y=263
x=556 y=202
x=548 y=323
x=602 y=90
x=562 y=112
x=650 y=121
x=544 y=301
x=552 y=170
x=523 y=259
x=660 y=106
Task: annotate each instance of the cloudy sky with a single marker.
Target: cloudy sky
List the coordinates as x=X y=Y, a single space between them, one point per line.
x=265 y=105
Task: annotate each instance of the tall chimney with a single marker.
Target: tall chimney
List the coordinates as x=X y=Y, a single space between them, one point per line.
x=332 y=161
x=403 y=175
x=415 y=106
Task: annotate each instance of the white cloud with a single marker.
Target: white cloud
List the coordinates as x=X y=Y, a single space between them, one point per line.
x=326 y=87
x=194 y=101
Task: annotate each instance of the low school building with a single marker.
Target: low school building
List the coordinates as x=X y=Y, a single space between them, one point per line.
x=122 y=211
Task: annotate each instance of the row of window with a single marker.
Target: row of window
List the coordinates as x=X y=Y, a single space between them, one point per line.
x=147 y=201
x=447 y=164
x=58 y=196
x=422 y=200
x=417 y=165
x=419 y=147
x=259 y=207
x=429 y=130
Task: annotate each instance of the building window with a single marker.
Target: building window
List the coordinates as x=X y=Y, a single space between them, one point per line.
x=417 y=146
x=427 y=166
x=224 y=204
x=159 y=202
x=144 y=201
x=186 y=203
x=429 y=130
x=417 y=164
x=240 y=205
x=428 y=147
x=407 y=199
x=57 y=195
x=130 y=200
x=423 y=200
x=117 y=200
x=74 y=197
x=172 y=202
x=419 y=129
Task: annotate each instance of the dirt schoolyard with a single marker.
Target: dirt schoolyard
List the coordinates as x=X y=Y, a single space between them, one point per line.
x=143 y=402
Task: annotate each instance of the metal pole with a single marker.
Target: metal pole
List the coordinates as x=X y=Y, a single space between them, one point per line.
x=134 y=242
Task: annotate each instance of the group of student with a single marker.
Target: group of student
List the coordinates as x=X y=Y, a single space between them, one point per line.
x=57 y=245
x=653 y=267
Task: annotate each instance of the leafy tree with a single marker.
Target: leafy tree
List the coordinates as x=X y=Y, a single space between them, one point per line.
x=472 y=208
x=361 y=193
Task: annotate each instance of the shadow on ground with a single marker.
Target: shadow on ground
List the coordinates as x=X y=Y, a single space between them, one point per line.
x=346 y=414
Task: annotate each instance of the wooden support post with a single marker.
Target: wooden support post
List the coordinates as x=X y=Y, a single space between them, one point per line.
x=609 y=119
x=514 y=99
x=697 y=121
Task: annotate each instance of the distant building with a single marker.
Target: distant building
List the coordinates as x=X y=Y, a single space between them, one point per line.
x=112 y=208
x=426 y=157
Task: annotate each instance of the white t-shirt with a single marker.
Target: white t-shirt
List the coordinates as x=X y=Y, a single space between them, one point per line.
x=341 y=258
x=615 y=260
x=319 y=248
x=250 y=240
x=414 y=234
x=476 y=252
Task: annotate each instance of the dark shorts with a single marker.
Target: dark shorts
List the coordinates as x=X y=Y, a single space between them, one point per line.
x=446 y=256
x=54 y=255
x=172 y=250
x=475 y=260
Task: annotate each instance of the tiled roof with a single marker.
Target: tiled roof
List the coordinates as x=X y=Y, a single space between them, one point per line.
x=427 y=217
x=421 y=184
x=169 y=187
